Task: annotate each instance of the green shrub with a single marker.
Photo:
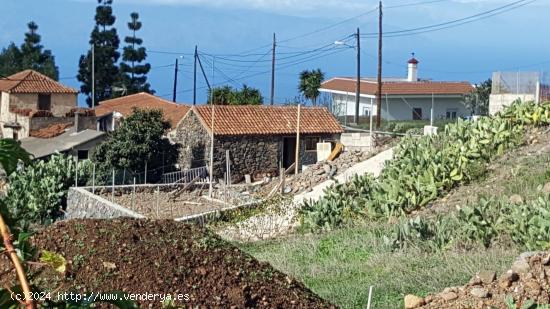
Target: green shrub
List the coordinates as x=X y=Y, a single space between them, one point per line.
x=37 y=193
x=341 y=203
x=424 y=168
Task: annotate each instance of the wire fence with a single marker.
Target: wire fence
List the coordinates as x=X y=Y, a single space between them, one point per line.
x=516 y=83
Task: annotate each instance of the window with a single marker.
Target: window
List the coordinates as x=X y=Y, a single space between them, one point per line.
x=82 y=155
x=417 y=113
x=366 y=111
x=311 y=143
x=451 y=113
x=44 y=102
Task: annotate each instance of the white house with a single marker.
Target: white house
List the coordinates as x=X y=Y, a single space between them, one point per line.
x=407 y=98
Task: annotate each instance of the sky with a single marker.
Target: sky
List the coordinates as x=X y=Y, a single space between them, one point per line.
x=225 y=30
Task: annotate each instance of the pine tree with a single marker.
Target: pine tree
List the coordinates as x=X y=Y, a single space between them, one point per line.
x=30 y=56
x=105 y=40
x=134 y=73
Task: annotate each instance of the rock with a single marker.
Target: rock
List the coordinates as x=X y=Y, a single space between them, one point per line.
x=546 y=188
x=475 y=281
x=532 y=287
x=413 y=301
x=507 y=279
x=546 y=259
x=109 y=265
x=516 y=199
x=520 y=266
x=479 y=292
x=448 y=296
x=326 y=168
x=487 y=276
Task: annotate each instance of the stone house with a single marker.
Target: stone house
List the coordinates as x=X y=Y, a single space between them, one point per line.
x=259 y=139
x=31 y=101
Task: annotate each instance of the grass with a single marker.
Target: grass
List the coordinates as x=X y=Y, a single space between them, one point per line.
x=341 y=265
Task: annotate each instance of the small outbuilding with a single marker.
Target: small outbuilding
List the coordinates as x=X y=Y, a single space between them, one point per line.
x=259 y=139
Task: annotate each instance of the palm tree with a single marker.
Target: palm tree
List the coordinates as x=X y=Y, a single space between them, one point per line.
x=310 y=82
x=220 y=95
x=248 y=96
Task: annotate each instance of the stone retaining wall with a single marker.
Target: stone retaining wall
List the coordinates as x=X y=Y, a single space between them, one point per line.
x=82 y=204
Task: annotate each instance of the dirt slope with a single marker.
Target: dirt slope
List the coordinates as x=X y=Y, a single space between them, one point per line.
x=138 y=256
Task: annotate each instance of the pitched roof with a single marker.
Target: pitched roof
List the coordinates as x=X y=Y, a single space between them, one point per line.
x=173 y=112
x=267 y=120
x=40 y=147
x=30 y=81
x=399 y=87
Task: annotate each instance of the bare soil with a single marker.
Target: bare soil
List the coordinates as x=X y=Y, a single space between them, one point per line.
x=164 y=256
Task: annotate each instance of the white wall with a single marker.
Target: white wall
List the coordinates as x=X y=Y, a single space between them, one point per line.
x=497 y=102
x=400 y=108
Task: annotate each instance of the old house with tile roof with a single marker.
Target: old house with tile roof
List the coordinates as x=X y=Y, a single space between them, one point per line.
x=32 y=101
x=407 y=98
x=111 y=112
x=260 y=139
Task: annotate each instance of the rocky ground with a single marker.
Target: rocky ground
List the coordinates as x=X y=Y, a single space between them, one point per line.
x=526 y=282
x=322 y=171
x=163 y=256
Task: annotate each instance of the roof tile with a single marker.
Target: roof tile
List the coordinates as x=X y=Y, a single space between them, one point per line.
x=173 y=112
x=267 y=120
x=399 y=88
x=30 y=81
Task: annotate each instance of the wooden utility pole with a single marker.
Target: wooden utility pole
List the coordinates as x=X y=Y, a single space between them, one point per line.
x=175 y=82
x=93 y=75
x=297 y=159
x=379 y=92
x=195 y=78
x=358 y=82
x=273 y=70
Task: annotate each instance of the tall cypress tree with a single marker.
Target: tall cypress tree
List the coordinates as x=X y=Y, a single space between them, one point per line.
x=30 y=56
x=105 y=40
x=134 y=73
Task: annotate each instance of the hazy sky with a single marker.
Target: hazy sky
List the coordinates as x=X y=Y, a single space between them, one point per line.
x=513 y=40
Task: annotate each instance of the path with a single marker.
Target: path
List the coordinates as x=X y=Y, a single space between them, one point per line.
x=282 y=219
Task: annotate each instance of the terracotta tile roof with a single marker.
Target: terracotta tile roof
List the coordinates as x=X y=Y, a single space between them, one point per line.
x=399 y=87
x=30 y=81
x=51 y=131
x=267 y=120
x=173 y=112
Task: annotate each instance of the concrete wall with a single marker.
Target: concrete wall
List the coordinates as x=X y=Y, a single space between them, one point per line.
x=82 y=204
x=497 y=102
x=398 y=108
x=356 y=141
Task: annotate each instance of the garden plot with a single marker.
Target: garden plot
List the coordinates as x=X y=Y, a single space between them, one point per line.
x=174 y=201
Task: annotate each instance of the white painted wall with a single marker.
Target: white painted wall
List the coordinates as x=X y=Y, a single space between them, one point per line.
x=497 y=102
x=400 y=108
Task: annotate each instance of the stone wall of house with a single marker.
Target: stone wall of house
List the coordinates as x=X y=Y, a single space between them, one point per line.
x=61 y=103
x=255 y=155
x=194 y=140
x=82 y=204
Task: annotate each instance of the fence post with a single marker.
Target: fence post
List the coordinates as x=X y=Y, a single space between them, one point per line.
x=158 y=198
x=76 y=173
x=282 y=175
x=113 y=188
x=145 y=177
x=134 y=192
x=228 y=167
x=93 y=179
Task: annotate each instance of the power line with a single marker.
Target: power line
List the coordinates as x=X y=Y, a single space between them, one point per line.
x=455 y=22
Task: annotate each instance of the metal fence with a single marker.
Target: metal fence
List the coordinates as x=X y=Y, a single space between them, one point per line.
x=516 y=83
x=186 y=176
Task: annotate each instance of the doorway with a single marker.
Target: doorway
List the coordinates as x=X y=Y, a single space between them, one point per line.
x=289 y=151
